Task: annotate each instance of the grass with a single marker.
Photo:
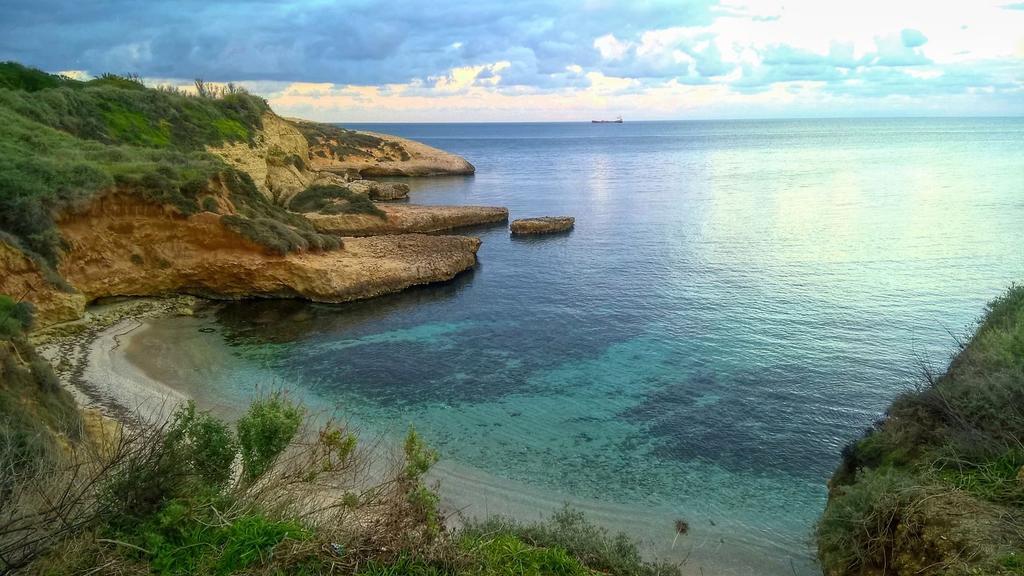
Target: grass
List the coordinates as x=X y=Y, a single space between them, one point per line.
x=947 y=454
x=66 y=141
x=187 y=537
x=569 y=530
x=342 y=143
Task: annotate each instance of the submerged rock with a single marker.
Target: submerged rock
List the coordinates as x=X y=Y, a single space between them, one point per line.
x=543 y=225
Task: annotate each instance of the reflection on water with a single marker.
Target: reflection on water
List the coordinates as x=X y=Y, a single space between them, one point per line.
x=737 y=301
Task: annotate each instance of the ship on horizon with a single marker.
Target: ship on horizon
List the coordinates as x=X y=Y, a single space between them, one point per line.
x=616 y=121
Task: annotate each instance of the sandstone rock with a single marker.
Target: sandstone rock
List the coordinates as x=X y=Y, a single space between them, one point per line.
x=20 y=277
x=407 y=218
x=282 y=163
x=544 y=225
x=122 y=247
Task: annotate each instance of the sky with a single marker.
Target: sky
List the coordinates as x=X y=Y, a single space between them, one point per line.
x=528 y=60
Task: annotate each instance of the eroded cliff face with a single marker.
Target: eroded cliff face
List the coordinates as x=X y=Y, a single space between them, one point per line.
x=122 y=247
x=276 y=160
x=20 y=278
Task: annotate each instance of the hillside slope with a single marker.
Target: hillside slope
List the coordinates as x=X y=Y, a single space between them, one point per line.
x=937 y=486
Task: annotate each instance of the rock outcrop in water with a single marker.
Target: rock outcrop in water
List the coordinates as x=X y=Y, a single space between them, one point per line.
x=407 y=218
x=543 y=225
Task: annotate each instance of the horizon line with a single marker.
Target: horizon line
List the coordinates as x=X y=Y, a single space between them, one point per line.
x=668 y=120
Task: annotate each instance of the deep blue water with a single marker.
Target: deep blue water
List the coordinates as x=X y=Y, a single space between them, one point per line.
x=737 y=301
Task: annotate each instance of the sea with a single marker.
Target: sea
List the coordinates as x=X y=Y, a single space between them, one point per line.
x=738 y=301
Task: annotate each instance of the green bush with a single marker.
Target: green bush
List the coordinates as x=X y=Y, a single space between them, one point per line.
x=507 y=555
x=14 y=76
x=265 y=431
x=189 y=537
x=331 y=199
x=341 y=142
x=205 y=443
x=15 y=317
x=958 y=435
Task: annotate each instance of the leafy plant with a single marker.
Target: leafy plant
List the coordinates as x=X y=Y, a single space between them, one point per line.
x=265 y=431
x=206 y=444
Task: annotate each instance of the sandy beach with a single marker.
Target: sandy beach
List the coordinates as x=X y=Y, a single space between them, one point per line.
x=89 y=358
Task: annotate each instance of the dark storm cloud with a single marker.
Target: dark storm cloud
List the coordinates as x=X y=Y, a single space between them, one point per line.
x=361 y=42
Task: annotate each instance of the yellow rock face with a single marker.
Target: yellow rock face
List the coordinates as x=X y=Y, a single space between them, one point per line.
x=122 y=247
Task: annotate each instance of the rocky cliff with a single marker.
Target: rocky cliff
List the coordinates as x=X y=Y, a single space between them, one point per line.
x=122 y=247
x=113 y=188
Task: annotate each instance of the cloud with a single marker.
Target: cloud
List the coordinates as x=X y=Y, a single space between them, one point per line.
x=611 y=48
x=474 y=59
x=913 y=38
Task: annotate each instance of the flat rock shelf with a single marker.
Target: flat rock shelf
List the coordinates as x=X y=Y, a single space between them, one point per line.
x=544 y=225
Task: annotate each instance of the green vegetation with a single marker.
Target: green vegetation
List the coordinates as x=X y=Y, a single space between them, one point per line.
x=331 y=199
x=65 y=141
x=937 y=487
x=265 y=432
x=34 y=410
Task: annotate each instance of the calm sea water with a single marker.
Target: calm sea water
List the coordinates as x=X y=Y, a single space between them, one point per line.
x=737 y=302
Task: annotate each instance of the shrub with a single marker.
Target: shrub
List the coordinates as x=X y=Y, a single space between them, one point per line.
x=868 y=520
x=265 y=431
x=506 y=554
x=206 y=444
x=15 y=317
x=961 y=430
x=332 y=199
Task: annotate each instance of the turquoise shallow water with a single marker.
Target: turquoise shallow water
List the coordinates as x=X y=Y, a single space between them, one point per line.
x=737 y=302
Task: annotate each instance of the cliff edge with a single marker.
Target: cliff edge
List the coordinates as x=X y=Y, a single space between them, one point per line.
x=937 y=486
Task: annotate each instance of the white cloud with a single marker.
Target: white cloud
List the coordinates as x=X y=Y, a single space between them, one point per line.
x=611 y=48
